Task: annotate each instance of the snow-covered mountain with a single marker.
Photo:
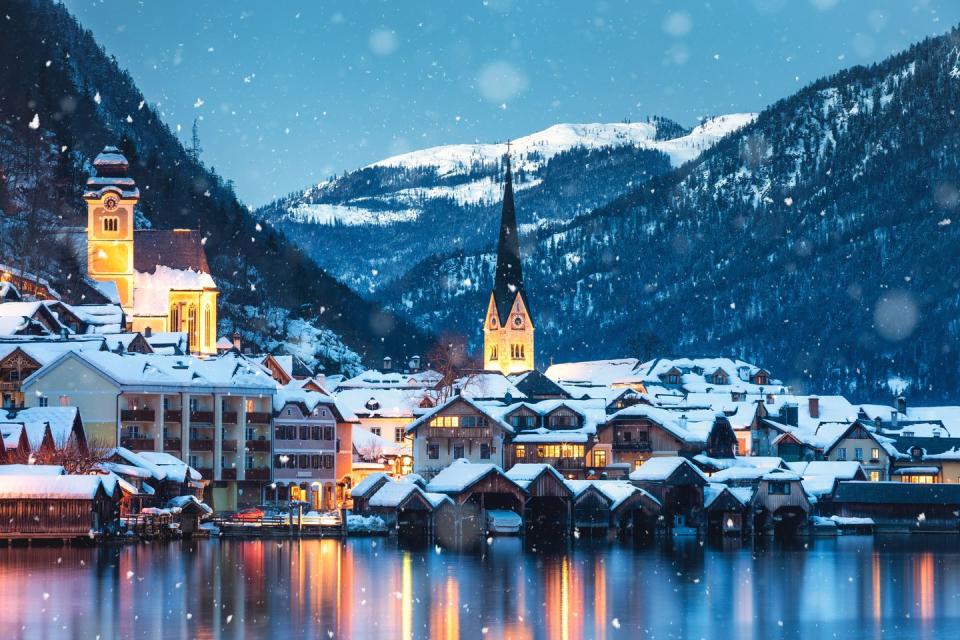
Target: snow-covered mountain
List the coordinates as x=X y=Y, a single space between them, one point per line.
x=429 y=201
x=819 y=240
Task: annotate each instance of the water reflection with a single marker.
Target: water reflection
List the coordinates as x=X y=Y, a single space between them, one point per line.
x=852 y=587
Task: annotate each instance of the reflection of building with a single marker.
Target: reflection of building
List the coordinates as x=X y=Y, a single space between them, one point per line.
x=508 y=326
x=161 y=276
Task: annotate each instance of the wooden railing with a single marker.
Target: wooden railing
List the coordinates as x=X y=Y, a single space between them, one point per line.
x=228 y=474
x=172 y=415
x=171 y=444
x=201 y=445
x=230 y=445
x=201 y=416
x=229 y=417
x=459 y=432
x=262 y=473
x=137 y=415
x=634 y=445
x=259 y=417
x=138 y=444
x=258 y=445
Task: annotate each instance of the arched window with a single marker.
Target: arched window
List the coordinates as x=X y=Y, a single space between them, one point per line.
x=192 y=326
x=207 y=328
x=111 y=224
x=175 y=317
x=493 y=352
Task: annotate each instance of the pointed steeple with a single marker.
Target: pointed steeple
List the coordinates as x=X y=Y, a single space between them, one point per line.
x=508 y=281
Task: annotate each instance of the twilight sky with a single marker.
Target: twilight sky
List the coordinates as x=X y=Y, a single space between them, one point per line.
x=291 y=92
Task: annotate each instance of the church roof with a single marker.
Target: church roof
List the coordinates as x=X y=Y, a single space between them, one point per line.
x=508 y=281
x=177 y=249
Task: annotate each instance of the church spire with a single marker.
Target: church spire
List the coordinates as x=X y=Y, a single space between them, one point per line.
x=508 y=281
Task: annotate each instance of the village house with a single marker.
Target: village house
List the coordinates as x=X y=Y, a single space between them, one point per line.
x=305 y=448
x=638 y=432
x=459 y=428
x=211 y=413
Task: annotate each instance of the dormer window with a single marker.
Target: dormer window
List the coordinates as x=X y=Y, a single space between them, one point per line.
x=111 y=224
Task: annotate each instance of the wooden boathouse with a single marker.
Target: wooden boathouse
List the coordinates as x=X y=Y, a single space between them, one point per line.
x=57 y=507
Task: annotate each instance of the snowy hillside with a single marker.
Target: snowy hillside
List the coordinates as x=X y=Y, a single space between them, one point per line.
x=430 y=201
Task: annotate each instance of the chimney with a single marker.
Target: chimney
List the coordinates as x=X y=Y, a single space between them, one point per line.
x=894 y=419
x=64 y=333
x=236 y=340
x=148 y=332
x=683 y=421
x=387 y=363
x=902 y=405
x=813 y=407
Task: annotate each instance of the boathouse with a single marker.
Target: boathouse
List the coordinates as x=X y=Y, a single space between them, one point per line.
x=548 y=508
x=780 y=505
x=413 y=512
x=727 y=508
x=900 y=506
x=55 y=506
x=475 y=489
x=678 y=485
x=605 y=507
x=365 y=489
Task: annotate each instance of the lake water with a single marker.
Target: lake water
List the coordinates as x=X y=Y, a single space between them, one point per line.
x=849 y=588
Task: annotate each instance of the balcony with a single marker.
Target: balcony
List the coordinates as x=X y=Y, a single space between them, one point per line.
x=138 y=444
x=459 y=432
x=206 y=473
x=230 y=445
x=201 y=445
x=259 y=417
x=137 y=415
x=172 y=415
x=228 y=474
x=262 y=446
x=171 y=444
x=632 y=445
x=565 y=463
x=201 y=416
x=229 y=417
x=262 y=473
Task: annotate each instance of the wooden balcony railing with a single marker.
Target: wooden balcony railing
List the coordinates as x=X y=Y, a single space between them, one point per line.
x=206 y=472
x=138 y=444
x=172 y=415
x=262 y=473
x=230 y=445
x=459 y=432
x=137 y=415
x=201 y=416
x=259 y=417
x=201 y=445
x=228 y=474
x=634 y=445
x=171 y=444
x=258 y=445
x=229 y=417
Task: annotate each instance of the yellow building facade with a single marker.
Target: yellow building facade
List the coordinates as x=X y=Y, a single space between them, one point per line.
x=162 y=277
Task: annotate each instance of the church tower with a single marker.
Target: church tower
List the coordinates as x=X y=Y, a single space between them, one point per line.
x=508 y=328
x=111 y=196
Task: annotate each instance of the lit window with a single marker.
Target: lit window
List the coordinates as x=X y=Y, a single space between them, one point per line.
x=874 y=476
x=520 y=452
x=64 y=401
x=600 y=458
x=874 y=454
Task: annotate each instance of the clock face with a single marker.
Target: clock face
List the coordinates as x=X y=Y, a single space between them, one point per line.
x=517 y=321
x=110 y=203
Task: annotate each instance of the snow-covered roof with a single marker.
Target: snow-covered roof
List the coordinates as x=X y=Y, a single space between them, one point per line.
x=296 y=393
x=391 y=494
x=460 y=475
x=367 y=483
x=487 y=384
x=152 y=370
x=696 y=429
x=373 y=379
x=369 y=445
x=593 y=372
x=60 y=487
x=175 y=469
x=492 y=410
x=182 y=501
x=660 y=468
x=36 y=419
x=526 y=472
x=31 y=470
x=151 y=291
x=714 y=490
x=381 y=403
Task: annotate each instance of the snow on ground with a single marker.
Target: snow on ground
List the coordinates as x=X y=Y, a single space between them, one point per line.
x=348 y=215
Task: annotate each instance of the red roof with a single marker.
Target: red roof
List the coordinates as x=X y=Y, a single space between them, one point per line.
x=176 y=249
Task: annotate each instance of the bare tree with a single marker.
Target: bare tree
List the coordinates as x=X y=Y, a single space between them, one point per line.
x=450 y=357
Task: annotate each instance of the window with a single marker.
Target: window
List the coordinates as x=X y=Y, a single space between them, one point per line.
x=304 y=461
x=327 y=461
x=111 y=224
x=493 y=352
x=44 y=401
x=637 y=464
x=433 y=451
x=304 y=433
x=192 y=325
x=875 y=454
x=315 y=461
x=250 y=407
x=485 y=451
x=520 y=452
x=289 y=412
x=858 y=454
x=874 y=476
x=445 y=421
x=397 y=434
x=375 y=431
x=842 y=453
x=778 y=488
x=291 y=433
x=207 y=324
x=314 y=433
x=328 y=433
x=600 y=458
x=64 y=401
x=458 y=451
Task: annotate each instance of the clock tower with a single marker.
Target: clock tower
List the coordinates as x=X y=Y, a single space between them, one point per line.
x=508 y=326
x=111 y=196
